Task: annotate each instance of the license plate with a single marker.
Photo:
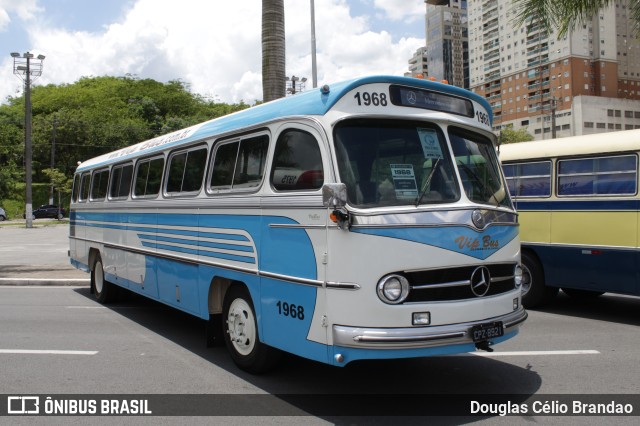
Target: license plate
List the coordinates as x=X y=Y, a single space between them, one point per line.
x=483 y=332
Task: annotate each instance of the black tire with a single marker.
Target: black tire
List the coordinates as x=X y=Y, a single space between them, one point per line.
x=60 y=216
x=575 y=293
x=104 y=291
x=241 y=333
x=534 y=291
x=2 y=218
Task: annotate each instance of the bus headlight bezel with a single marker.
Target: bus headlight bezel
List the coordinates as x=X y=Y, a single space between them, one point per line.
x=517 y=276
x=393 y=289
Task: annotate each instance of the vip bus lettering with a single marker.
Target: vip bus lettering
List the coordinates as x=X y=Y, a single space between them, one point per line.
x=477 y=244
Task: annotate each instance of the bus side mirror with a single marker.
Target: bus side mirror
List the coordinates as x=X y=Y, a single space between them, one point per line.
x=334 y=195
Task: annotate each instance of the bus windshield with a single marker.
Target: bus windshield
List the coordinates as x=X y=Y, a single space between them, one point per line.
x=392 y=163
x=478 y=167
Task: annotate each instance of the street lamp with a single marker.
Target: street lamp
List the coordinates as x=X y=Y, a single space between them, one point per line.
x=295 y=84
x=25 y=66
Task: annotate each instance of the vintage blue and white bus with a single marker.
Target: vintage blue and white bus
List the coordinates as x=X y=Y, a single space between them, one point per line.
x=368 y=219
x=578 y=206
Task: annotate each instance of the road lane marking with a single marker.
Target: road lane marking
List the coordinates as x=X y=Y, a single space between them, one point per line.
x=86 y=307
x=536 y=353
x=45 y=352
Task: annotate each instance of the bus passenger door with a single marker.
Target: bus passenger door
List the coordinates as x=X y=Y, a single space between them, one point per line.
x=293 y=252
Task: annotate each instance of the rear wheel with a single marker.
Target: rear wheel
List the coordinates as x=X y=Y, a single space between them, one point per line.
x=103 y=290
x=534 y=291
x=241 y=333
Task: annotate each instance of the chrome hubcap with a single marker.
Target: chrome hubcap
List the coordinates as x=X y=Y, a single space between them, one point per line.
x=241 y=326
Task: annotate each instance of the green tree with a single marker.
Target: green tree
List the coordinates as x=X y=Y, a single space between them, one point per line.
x=61 y=184
x=509 y=135
x=94 y=116
x=273 y=50
x=566 y=15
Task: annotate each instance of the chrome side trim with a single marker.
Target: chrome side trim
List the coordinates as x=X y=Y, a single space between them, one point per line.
x=434 y=218
x=342 y=286
x=296 y=226
x=287 y=278
x=418 y=337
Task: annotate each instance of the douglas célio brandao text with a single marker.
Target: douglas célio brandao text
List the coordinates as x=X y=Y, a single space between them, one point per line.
x=574 y=407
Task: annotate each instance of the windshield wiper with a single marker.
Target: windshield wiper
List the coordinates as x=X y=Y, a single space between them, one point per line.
x=427 y=182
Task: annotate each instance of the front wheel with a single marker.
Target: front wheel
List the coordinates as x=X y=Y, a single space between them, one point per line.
x=534 y=291
x=103 y=290
x=241 y=333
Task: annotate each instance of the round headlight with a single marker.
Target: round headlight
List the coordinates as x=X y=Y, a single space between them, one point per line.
x=393 y=289
x=517 y=276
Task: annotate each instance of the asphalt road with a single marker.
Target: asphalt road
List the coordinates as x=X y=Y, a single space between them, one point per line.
x=58 y=340
x=140 y=347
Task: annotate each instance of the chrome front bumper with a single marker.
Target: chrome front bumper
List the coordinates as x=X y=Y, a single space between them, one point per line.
x=419 y=337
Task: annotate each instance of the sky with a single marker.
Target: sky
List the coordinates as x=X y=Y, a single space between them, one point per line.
x=212 y=45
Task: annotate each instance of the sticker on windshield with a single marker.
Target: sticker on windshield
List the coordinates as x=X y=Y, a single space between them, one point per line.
x=430 y=144
x=404 y=181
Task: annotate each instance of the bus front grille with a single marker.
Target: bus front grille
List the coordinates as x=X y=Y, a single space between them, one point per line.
x=437 y=285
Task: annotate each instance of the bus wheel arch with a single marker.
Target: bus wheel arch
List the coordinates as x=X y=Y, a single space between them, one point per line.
x=241 y=333
x=103 y=290
x=214 y=327
x=534 y=290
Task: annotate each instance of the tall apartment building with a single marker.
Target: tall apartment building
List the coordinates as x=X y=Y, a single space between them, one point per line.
x=586 y=82
x=418 y=64
x=447 y=47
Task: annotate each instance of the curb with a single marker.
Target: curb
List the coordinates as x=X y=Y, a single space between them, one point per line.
x=24 y=282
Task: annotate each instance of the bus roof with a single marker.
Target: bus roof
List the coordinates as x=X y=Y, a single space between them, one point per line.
x=599 y=143
x=311 y=102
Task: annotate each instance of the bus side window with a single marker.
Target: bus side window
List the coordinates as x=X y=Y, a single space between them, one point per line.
x=76 y=188
x=84 y=187
x=120 y=181
x=148 y=177
x=297 y=162
x=239 y=164
x=99 y=185
x=186 y=170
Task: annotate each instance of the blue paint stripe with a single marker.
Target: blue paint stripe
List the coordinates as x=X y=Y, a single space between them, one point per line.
x=206 y=253
x=572 y=205
x=196 y=243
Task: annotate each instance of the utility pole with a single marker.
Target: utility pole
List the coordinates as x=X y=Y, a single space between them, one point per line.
x=23 y=68
x=53 y=153
x=314 y=68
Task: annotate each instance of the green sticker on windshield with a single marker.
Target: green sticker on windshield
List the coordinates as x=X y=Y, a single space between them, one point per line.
x=430 y=144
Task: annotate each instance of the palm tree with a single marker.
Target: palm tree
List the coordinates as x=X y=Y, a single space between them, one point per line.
x=565 y=15
x=273 y=50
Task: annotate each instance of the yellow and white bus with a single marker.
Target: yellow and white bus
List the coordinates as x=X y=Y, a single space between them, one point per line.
x=578 y=206
x=366 y=219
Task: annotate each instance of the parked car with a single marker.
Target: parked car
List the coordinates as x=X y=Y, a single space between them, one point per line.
x=3 y=214
x=49 y=211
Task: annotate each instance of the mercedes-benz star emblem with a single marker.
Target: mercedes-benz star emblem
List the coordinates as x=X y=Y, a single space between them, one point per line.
x=480 y=281
x=411 y=97
x=478 y=219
